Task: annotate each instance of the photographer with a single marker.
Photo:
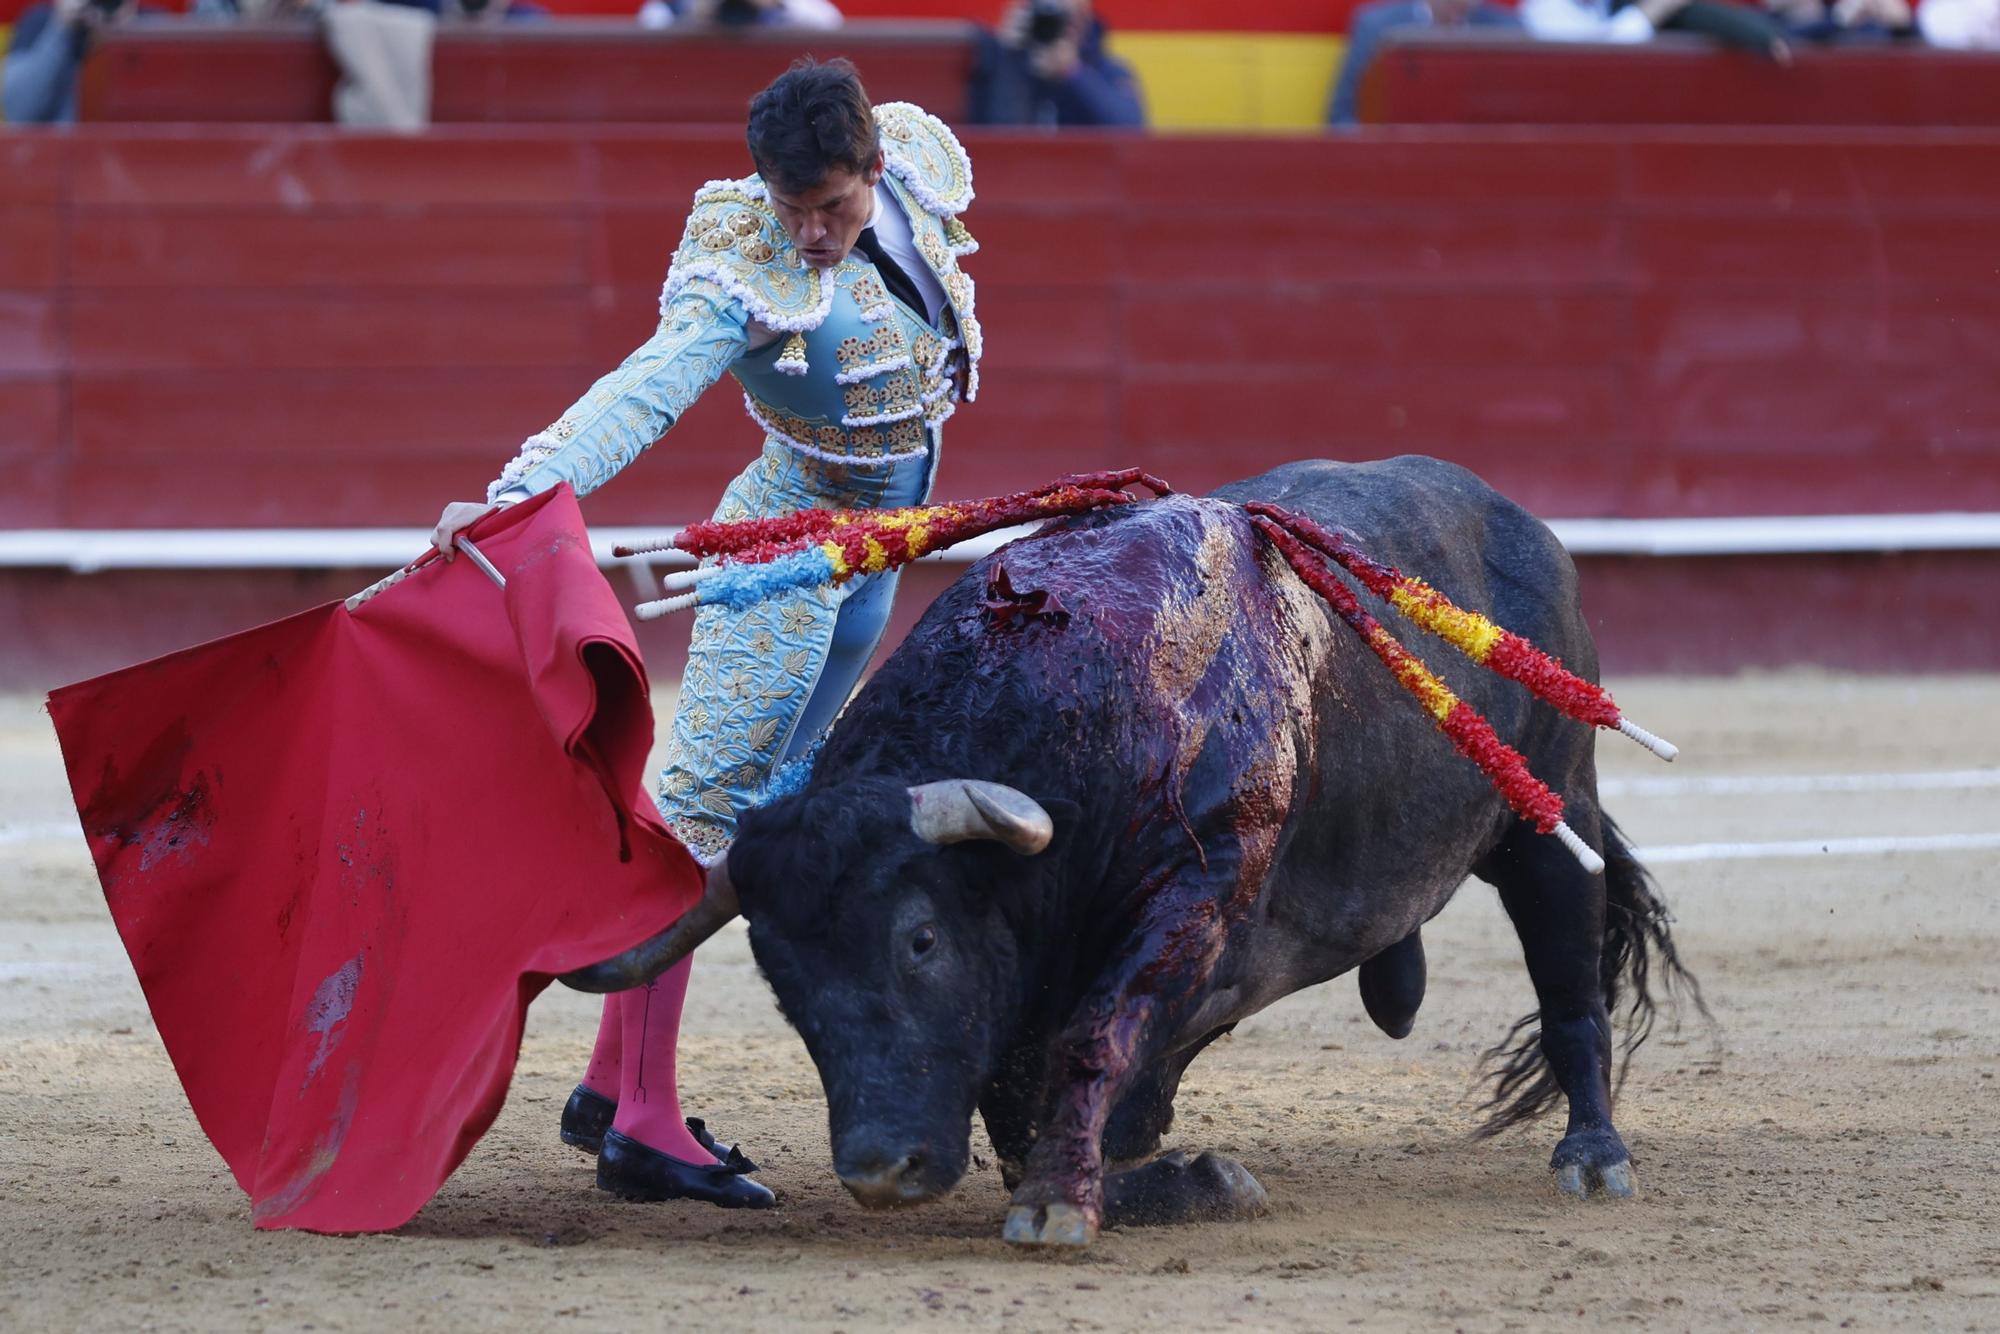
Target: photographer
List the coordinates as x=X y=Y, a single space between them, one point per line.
x=38 y=85
x=1728 y=23
x=820 y=14
x=1847 y=22
x=1047 y=66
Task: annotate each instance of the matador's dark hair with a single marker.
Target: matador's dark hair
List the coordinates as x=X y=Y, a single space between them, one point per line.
x=814 y=117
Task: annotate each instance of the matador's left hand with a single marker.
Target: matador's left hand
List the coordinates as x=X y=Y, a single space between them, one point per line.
x=457 y=517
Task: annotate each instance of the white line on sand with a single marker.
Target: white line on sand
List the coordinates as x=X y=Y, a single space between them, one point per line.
x=1736 y=785
x=1817 y=847
x=1682 y=852
x=34 y=833
x=25 y=970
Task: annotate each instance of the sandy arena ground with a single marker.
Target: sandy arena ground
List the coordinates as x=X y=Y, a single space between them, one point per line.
x=1829 y=1157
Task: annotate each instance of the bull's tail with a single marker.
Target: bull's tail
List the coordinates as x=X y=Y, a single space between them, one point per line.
x=1638 y=949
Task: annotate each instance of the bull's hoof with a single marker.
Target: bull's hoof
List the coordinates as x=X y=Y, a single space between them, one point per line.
x=1594 y=1160
x=1049 y=1225
x=1617 y=1181
x=1175 y=1189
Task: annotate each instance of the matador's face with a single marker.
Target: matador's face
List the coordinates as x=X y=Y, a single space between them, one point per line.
x=824 y=221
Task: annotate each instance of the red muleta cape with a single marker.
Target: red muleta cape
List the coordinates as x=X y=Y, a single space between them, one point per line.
x=345 y=850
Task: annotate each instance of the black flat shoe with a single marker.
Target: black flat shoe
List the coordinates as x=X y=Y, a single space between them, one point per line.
x=586 y=1118
x=732 y=1157
x=589 y=1114
x=633 y=1171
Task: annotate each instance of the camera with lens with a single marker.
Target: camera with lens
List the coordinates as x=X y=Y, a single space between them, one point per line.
x=1048 y=21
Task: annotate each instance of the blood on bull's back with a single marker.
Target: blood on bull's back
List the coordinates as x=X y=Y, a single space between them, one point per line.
x=1146 y=635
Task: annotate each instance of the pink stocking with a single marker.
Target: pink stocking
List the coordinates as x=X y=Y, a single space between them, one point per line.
x=649 y=1106
x=601 y=1075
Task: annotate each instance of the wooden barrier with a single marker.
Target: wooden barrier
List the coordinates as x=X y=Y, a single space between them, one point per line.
x=1309 y=16
x=609 y=70
x=590 y=70
x=299 y=327
x=1472 y=78
x=162 y=69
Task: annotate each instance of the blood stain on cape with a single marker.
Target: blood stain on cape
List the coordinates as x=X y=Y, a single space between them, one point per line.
x=328 y=1010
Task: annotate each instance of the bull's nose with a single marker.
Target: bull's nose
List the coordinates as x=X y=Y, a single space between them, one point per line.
x=882 y=1179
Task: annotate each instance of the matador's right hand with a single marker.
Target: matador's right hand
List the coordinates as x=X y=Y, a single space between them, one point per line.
x=457 y=517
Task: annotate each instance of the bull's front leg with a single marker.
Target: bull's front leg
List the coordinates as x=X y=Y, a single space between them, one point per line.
x=1157 y=978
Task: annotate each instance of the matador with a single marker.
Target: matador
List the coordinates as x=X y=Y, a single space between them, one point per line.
x=828 y=284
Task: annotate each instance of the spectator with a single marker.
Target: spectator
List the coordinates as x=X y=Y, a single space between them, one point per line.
x=258 y=11
x=38 y=83
x=383 y=49
x=453 y=11
x=1047 y=66
x=1846 y=20
x=1963 y=25
x=1636 y=21
x=1371 y=23
x=1586 y=21
x=492 y=11
x=820 y=14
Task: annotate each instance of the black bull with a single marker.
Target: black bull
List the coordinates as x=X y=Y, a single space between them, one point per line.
x=1243 y=802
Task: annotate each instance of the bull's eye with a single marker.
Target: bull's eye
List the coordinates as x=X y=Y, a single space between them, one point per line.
x=922 y=942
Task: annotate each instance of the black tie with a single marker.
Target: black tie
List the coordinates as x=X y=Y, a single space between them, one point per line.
x=900 y=284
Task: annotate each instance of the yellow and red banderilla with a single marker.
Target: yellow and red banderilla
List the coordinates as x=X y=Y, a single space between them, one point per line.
x=757 y=558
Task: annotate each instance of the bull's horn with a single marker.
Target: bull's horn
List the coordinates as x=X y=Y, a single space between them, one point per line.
x=654 y=955
x=958 y=809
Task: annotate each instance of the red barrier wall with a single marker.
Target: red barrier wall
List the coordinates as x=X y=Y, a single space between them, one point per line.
x=301 y=327
x=294 y=326
x=1174 y=15
x=518 y=73
x=1139 y=15
x=1136 y=15
x=605 y=70
x=1444 y=78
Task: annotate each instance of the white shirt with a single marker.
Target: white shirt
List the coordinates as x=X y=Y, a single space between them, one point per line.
x=899 y=240
x=1584 y=21
x=1967 y=25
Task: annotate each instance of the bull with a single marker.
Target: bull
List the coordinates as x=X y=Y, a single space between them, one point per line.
x=1128 y=782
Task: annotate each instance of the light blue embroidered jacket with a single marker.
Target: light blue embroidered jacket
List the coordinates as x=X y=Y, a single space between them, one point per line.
x=857 y=377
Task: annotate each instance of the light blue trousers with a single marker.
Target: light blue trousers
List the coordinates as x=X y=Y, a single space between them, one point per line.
x=762 y=683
